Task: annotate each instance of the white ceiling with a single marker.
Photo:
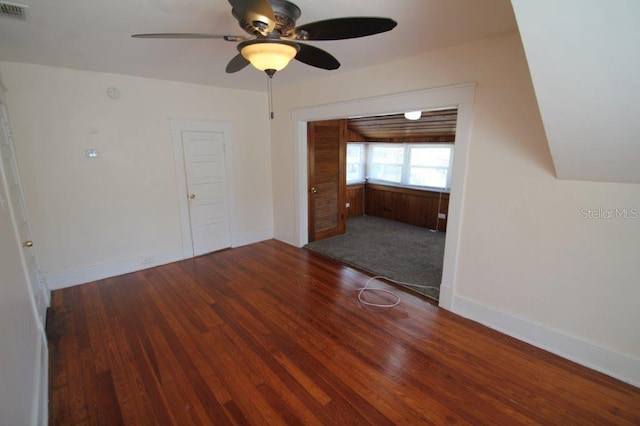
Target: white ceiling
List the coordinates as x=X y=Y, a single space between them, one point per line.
x=94 y=35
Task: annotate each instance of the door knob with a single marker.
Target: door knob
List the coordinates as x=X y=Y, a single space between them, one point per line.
x=192 y=196
x=314 y=190
x=27 y=243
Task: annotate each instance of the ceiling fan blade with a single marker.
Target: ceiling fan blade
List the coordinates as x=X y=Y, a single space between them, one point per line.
x=344 y=28
x=236 y=64
x=191 y=36
x=257 y=13
x=316 y=57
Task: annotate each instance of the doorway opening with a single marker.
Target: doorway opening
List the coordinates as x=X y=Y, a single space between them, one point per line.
x=460 y=97
x=379 y=194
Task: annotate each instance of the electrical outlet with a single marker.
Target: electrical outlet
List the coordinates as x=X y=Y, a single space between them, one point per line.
x=348 y=205
x=147 y=259
x=442 y=216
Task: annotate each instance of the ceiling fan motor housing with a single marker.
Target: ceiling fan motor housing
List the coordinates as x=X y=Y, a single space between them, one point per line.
x=275 y=36
x=285 y=12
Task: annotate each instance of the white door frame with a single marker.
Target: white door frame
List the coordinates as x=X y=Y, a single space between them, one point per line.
x=461 y=96
x=39 y=293
x=179 y=125
x=39 y=290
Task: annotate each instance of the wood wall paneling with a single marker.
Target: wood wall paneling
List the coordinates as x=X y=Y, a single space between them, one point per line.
x=412 y=206
x=355 y=198
x=444 y=209
x=414 y=139
x=353 y=136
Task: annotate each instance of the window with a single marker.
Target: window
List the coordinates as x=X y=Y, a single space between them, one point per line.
x=429 y=166
x=414 y=165
x=385 y=163
x=355 y=163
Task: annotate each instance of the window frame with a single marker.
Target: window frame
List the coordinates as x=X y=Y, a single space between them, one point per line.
x=406 y=164
x=407 y=169
x=368 y=162
x=362 y=178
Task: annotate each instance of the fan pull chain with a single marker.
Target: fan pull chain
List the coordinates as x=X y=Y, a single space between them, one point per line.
x=270 y=97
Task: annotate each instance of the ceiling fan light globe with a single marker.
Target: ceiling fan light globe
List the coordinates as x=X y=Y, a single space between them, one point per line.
x=269 y=56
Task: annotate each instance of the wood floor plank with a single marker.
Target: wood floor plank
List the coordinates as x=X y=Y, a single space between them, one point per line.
x=184 y=344
x=97 y=325
x=244 y=392
x=272 y=334
x=128 y=383
x=106 y=407
x=181 y=395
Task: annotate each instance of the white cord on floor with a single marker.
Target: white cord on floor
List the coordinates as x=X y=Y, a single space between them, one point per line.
x=382 y=290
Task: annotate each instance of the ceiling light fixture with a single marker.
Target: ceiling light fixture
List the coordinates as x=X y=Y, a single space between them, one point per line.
x=413 y=115
x=268 y=55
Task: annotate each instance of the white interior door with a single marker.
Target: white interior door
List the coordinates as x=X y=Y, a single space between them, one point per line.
x=16 y=203
x=206 y=174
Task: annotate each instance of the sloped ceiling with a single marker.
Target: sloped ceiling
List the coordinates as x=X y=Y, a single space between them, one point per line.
x=584 y=58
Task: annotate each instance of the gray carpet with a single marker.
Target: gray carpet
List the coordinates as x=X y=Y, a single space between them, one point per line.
x=392 y=249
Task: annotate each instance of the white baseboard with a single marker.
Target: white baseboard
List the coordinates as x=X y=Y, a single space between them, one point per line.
x=445 y=299
x=88 y=274
x=119 y=267
x=618 y=365
x=240 y=240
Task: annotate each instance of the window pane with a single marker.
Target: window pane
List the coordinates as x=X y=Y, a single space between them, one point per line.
x=429 y=165
x=430 y=156
x=387 y=154
x=388 y=172
x=386 y=163
x=355 y=163
x=428 y=176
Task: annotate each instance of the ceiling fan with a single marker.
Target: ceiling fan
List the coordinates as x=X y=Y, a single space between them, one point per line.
x=275 y=39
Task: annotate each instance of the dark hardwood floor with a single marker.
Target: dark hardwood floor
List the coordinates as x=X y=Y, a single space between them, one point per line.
x=272 y=334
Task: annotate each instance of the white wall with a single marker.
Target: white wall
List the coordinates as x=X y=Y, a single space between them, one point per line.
x=94 y=217
x=583 y=57
x=529 y=263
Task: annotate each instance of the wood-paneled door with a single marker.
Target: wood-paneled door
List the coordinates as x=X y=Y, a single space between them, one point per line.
x=327 y=150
